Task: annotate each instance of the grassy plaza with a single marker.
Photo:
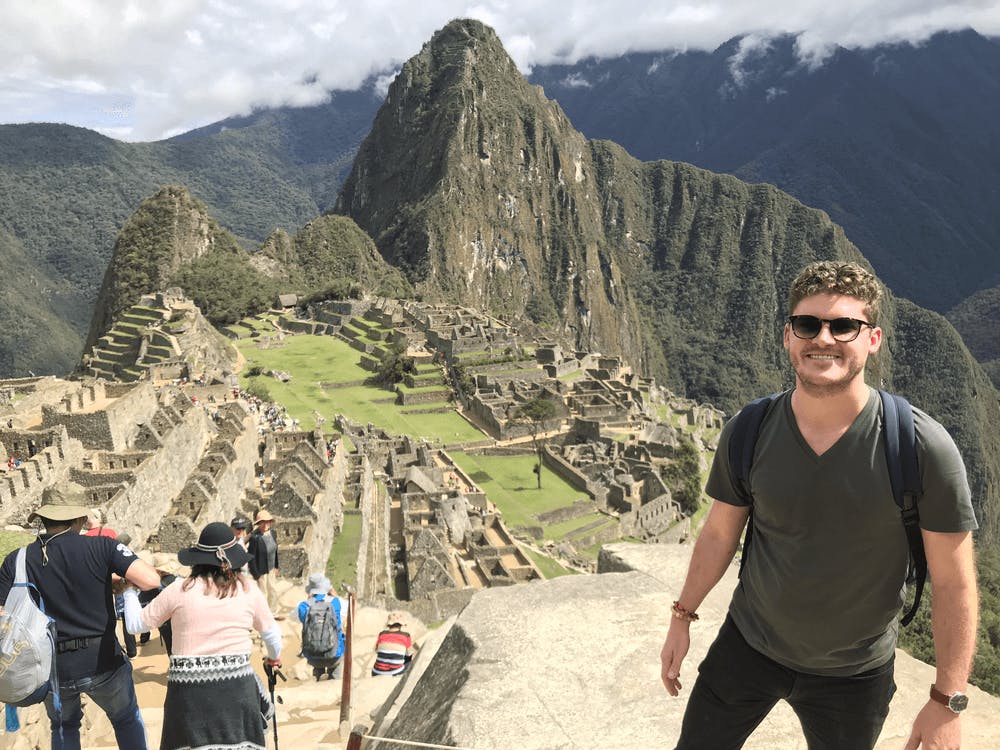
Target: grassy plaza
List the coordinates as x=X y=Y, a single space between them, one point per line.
x=319 y=365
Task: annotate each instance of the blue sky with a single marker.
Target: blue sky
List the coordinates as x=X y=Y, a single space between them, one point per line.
x=138 y=70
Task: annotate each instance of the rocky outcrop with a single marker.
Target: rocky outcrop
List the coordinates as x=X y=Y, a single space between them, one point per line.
x=574 y=663
x=168 y=231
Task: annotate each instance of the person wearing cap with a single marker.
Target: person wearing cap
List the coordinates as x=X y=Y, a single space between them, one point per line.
x=241 y=530
x=393 y=647
x=214 y=698
x=94 y=525
x=263 y=549
x=73 y=573
x=319 y=589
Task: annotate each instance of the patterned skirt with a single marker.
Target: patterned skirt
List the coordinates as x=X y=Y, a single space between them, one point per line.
x=214 y=703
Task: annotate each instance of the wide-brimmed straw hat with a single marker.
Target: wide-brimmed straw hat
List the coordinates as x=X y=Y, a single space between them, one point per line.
x=318 y=584
x=167 y=563
x=216 y=544
x=163 y=562
x=395 y=618
x=65 y=501
x=262 y=515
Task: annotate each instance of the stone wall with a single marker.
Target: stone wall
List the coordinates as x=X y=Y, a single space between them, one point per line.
x=367 y=497
x=306 y=546
x=577 y=479
x=139 y=509
x=214 y=488
x=29 y=395
x=21 y=489
x=110 y=428
x=649 y=520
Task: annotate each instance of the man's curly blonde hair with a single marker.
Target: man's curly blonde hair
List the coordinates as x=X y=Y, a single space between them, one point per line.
x=838 y=277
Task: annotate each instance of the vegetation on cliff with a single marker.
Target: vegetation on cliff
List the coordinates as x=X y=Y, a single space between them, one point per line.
x=172 y=241
x=978 y=320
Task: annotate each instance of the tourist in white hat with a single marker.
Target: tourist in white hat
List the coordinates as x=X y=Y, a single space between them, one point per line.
x=263 y=549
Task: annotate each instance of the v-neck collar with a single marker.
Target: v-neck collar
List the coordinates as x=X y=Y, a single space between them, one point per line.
x=856 y=425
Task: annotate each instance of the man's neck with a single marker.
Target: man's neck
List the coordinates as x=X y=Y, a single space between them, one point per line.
x=829 y=409
x=57 y=529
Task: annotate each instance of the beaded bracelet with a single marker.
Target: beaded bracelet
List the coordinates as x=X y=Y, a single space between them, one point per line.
x=680 y=613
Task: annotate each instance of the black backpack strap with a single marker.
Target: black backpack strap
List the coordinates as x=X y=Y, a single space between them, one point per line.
x=742 y=443
x=904 y=476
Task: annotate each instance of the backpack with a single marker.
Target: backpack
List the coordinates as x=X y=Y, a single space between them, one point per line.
x=320 y=631
x=901 y=460
x=27 y=645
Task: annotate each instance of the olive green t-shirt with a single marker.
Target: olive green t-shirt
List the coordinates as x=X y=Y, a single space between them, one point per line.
x=824 y=579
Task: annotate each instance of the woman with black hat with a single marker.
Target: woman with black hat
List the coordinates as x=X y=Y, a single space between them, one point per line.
x=214 y=698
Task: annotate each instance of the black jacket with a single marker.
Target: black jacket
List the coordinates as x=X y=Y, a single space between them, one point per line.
x=258 y=553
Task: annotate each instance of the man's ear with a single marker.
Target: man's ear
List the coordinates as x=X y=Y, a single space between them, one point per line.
x=875 y=340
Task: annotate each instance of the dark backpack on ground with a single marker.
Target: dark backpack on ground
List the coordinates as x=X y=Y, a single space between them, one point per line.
x=320 y=631
x=27 y=645
x=900 y=456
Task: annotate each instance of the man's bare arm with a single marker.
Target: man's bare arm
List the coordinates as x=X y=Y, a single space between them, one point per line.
x=713 y=552
x=954 y=618
x=142 y=575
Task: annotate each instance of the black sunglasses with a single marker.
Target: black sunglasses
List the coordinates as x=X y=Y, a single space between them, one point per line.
x=842 y=329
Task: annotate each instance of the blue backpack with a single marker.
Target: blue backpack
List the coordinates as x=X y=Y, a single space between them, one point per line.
x=900 y=456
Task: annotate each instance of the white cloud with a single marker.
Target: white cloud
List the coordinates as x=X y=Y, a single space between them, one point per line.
x=575 y=81
x=187 y=63
x=751 y=47
x=383 y=82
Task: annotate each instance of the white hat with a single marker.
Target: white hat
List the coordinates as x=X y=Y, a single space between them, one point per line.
x=318 y=584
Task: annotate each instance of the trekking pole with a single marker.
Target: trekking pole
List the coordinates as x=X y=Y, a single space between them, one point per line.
x=273 y=673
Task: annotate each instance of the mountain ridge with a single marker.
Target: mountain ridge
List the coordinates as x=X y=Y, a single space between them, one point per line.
x=65 y=191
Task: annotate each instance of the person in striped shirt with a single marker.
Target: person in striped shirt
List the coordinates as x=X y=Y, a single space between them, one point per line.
x=393 y=647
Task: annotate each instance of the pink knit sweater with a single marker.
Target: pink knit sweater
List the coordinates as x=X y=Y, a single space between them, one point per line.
x=204 y=624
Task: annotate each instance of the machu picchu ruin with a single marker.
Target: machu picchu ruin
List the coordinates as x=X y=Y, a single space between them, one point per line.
x=164 y=443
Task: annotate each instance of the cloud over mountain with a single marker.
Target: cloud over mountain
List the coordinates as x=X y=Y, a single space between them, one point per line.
x=140 y=71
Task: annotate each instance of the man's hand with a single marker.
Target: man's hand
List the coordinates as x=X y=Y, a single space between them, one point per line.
x=675 y=648
x=936 y=727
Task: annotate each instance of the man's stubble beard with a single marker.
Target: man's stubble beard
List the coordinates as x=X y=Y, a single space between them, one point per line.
x=825 y=388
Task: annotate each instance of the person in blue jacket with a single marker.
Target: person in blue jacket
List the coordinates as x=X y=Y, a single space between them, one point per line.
x=324 y=657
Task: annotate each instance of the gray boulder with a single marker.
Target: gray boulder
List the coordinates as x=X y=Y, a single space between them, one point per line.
x=574 y=663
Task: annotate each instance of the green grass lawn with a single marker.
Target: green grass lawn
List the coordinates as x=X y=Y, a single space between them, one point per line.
x=11 y=540
x=564 y=528
x=509 y=482
x=342 y=566
x=312 y=360
x=549 y=567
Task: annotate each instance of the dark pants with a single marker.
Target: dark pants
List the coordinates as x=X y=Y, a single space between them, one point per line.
x=112 y=691
x=738 y=686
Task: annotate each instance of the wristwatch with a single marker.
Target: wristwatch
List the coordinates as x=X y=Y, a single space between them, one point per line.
x=957 y=702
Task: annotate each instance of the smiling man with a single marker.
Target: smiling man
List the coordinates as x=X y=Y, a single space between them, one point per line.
x=815 y=617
